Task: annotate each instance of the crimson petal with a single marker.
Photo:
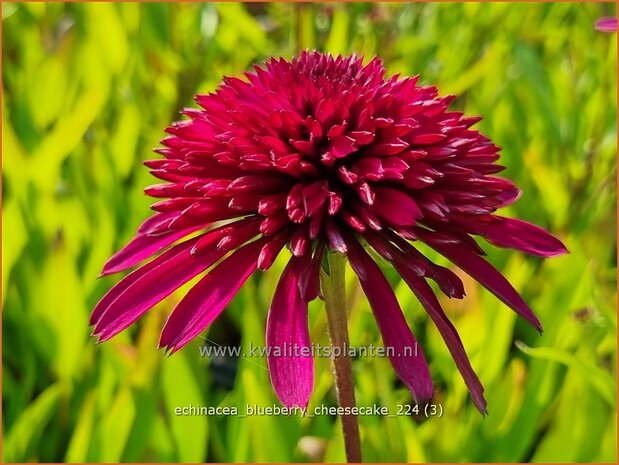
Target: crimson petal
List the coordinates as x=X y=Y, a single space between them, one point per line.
x=291 y=365
x=527 y=237
x=148 y=289
x=155 y=220
x=447 y=280
x=486 y=274
x=209 y=297
x=142 y=247
x=412 y=369
x=395 y=206
x=131 y=278
x=309 y=281
x=424 y=294
x=143 y=288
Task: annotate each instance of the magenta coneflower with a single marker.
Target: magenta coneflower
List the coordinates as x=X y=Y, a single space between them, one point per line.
x=606 y=24
x=321 y=154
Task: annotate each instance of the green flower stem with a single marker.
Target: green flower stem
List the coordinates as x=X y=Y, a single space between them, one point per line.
x=334 y=291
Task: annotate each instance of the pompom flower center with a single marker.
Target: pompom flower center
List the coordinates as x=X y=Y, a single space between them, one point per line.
x=327 y=143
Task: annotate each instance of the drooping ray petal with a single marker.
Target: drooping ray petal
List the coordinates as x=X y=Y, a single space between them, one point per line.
x=524 y=236
x=309 y=281
x=405 y=355
x=486 y=274
x=208 y=298
x=142 y=247
x=447 y=280
x=424 y=294
x=151 y=288
x=426 y=297
x=135 y=275
x=291 y=365
x=143 y=288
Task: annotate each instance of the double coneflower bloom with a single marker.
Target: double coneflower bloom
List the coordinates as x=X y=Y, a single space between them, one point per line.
x=321 y=154
x=606 y=24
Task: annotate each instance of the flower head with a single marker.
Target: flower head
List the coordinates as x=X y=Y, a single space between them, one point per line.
x=606 y=24
x=314 y=154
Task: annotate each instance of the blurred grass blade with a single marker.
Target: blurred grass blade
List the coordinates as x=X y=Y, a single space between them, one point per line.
x=601 y=381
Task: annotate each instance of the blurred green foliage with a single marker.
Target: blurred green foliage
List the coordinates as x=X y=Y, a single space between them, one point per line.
x=88 y=89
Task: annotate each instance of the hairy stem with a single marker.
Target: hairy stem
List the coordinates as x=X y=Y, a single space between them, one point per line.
x=334 y=291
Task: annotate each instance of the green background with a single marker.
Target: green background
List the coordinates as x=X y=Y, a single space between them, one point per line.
x=88 y=90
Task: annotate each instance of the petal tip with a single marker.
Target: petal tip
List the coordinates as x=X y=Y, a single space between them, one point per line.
x=106 y=271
